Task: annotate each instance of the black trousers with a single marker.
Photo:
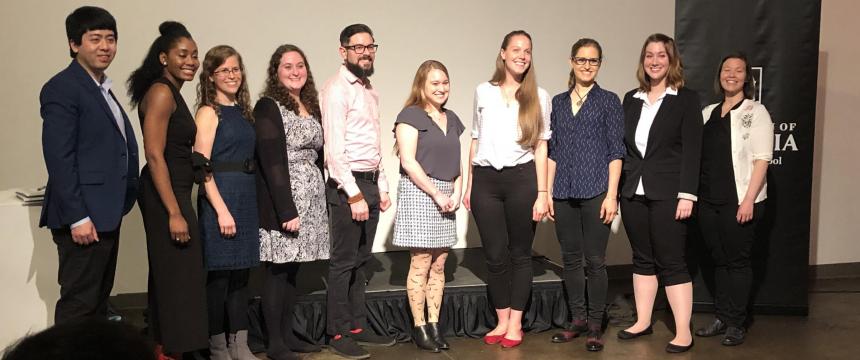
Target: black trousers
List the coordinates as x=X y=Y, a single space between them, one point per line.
x=227 y=296
x=582 y=234
x=657 y=239
x=85 y=275
x=351 y=242
x=502 y=203
x=730 y=245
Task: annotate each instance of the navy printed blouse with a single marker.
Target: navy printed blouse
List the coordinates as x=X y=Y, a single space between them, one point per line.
x=582 y=145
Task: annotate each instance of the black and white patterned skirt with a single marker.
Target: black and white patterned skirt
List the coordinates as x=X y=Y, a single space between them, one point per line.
x=419 y=223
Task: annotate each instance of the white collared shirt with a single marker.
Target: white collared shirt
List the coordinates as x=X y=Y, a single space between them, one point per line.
x=496 y=127
x=105 y=87
x=646 y=119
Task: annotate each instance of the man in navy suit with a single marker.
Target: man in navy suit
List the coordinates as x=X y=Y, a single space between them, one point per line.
x=91 y=156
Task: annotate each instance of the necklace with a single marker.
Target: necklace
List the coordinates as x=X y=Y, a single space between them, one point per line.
x=581 y=98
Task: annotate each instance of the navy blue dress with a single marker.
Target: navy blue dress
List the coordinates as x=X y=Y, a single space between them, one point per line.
x=234 y=144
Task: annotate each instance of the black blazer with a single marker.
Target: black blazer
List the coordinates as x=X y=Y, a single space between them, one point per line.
x=275 y=202
x=92 y=169
x=670 y=164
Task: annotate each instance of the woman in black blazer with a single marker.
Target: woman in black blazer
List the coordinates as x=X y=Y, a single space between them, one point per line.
x=660 y=178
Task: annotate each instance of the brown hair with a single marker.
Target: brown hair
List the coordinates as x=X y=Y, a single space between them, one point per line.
x=416 y=95
x=206 y=92
x=749 y=81
x=675 y=73
x=530 y=117
x=278 y=92
x=579 y=44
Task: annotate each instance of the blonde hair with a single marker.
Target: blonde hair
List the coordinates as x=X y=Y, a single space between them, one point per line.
x=675 y=73
x=530 y=118
x=416 y=95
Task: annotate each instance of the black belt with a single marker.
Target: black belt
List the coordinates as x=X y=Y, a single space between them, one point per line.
x=246 y=166
x=372 y=176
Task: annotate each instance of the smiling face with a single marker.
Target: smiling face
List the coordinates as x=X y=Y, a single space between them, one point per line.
x=228 y=77
x=436 y=88
x=96 y=51
x=517 y=56
x=292 y=72
x=359 y=63
x=181 y=62
x=586 y=72
x=656 y=61
x=733 y=75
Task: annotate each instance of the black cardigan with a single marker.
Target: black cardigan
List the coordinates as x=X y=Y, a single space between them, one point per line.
x=673 y=154
x=274 y=194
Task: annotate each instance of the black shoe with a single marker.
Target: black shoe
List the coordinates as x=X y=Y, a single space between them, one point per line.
x=368 y=338
x=421 y=337
x=347 y=347
x=436 y=334
x=626 y=335
x=299 y=345
x=715 y=328
x=594 y=341
x=734 y=336
x=675 y=349
x=283 y=355
x=578 y=327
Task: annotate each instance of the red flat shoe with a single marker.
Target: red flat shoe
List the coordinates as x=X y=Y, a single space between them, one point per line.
x=508 y=343
x=493 y=339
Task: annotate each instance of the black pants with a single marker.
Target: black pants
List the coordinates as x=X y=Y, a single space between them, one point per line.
x=730 y=245
x=227 y=295
x=657 y=239
x=502 y=202
x=582 y=233
x=85 y=275
x=351 y=242
x=278 y=301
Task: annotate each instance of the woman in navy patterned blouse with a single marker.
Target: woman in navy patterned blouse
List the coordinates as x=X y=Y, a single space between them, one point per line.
x=585 y=154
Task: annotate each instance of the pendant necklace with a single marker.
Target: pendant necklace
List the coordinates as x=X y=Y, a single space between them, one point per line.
x=581 y=98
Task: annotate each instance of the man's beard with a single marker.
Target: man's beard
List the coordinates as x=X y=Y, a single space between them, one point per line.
x=358 y=71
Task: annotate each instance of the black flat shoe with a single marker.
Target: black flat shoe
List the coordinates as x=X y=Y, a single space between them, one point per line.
x=626 y=335
x=421 y=337
x=675 y=349
x=717 y=327
x=734 y=336
x=573 y=331
x=436 y=335
x=594 y=341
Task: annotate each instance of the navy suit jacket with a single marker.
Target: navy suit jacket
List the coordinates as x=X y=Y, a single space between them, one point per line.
x=92 y=169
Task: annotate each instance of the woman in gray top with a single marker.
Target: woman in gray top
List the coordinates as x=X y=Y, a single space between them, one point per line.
x=428 y=194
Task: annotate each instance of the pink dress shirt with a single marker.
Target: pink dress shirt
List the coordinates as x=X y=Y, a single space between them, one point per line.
x=350 y=119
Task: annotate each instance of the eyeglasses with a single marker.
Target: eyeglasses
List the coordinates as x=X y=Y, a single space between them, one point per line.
x=225 y=72
x=359 y=49
x=582 y=61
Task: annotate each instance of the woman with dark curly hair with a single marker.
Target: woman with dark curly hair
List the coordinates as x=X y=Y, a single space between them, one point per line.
x=290 y=191
x=227 y=200
x=177 y=298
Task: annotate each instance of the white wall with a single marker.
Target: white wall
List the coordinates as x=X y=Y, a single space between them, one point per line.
x=835 y=199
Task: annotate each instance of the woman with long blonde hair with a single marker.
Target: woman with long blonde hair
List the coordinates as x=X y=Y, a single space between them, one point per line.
x=428 y=194
x=507 y=188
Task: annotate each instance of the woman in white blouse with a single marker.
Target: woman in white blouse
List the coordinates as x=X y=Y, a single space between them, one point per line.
x=507 y=189
x=737 y=147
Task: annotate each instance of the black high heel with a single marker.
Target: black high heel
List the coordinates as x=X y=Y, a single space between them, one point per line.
x=421 y=337
x=436 y=334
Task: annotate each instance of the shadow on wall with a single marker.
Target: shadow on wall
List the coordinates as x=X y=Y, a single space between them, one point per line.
x=43 y=267
x=820 y=118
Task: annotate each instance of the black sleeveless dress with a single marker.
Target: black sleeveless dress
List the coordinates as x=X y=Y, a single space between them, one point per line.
x=176 y=296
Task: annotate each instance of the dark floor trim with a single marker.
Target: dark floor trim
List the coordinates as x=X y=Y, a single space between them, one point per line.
x=834 y=271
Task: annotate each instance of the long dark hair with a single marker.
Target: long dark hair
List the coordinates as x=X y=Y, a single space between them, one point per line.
x=151 y=69
x=206 y=91
x=530 y=119
x=749 y=82
x=277 y=91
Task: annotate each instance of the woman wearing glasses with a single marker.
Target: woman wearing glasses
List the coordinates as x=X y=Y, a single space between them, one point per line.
x=663 y=135
x=227 y=201
x=507 y=189
x=290 y=191
x=585 y=154
x=736 y=150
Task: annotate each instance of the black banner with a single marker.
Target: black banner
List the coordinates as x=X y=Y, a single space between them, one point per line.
x=780 y=39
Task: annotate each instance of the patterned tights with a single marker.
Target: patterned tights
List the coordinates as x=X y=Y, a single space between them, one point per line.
x=425 y=283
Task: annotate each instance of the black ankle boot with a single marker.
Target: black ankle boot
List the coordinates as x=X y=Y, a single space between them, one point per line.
x=421 y=337
x=436 y=334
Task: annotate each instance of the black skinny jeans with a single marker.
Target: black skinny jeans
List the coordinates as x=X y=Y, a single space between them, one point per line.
x=730 y=245
x=502 y=203
x=582 y=233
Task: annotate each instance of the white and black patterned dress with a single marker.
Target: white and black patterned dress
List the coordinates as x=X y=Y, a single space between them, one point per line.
x=304 y=138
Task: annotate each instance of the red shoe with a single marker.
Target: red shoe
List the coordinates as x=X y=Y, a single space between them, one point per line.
x=508 y=343
x=159 y=352
x=493 y=339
